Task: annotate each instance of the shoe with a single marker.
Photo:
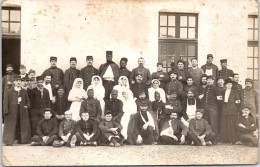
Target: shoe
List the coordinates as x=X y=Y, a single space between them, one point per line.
x=81 y=143
x=73 y=141
x=94 y=143
x=238 y=143
x=111 y=144
x=209 y=143
x=117 y=144
x=35 y=143
x=15 y=141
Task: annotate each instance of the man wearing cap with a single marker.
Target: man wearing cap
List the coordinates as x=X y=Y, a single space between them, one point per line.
x=109 y=72
x=182 y=73
x=88 y=72
x=235 y=85
x=210 y=99
x=39 y=99
x=23 y=71
x=225 y=73
x=123 y=71
x=174 y=84
x=210 y=69
x=70 y=75
x=56 y=72
x=160 y=75
x=25 y=83
x=141 y=70
x=195 y=72
x=249 y=97
x=17 y=123
x=7 y=79
x=143 y=129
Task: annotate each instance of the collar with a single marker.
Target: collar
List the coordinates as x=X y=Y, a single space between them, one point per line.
x=123 y=68
x=17 y=88
x=54 y=67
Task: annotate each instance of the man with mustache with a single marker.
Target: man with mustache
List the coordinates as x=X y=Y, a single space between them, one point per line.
x=88 y=72
x=70 y=74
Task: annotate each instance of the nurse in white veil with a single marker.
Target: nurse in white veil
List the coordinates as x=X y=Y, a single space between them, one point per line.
x=123 y=85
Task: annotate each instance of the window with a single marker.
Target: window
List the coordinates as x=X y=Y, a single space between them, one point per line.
x=11 y=21
x=178 y=34
x=252 y=48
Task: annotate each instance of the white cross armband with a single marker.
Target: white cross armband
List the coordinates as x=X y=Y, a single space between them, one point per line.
x=219 y=98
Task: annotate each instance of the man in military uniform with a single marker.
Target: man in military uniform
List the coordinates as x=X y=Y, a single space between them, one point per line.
x=210 y=69
x=123 y=71
x=249 y=97
x=182 y=73
x=23 y=71
x=70 y=75
x=7 y=79
x=160 y=75
x=141 y=70
x=235 y=84
x=172 y=68
x=225 y=73
x=109 y=72
x=88 y=72
x=56 y=72
x=195 y=72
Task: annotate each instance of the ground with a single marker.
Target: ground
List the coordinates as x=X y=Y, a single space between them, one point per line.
x=129 y=155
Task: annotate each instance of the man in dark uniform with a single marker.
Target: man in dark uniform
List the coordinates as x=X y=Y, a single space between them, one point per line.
x=88 y=72
x=172 y=68
x=141 y=70
x=210 y=103
x=225 y=73
x=7 y=79
x=109 y=72
x=195 y=72
x=160 y=75
x=70 y=75
x=182 y=73
x=123 y=71
x=23 y=71
x=210 y=69
x=56 y=72
x=235 y=84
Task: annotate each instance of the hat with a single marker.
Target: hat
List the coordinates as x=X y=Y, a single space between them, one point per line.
x=38 y=78
x=73 y=59
x=172 y=92
x=174 y=72
x=60 y=87
x=180 y=61
x=22 y=66
x=31 y=71
x=210 y=77
x=228 y=80
x=109 y=53
x=68 y=112
x=200 y=110
x=142 y=92
x=46 y=109
x=159 y=63
x=143 y=103
x=124 y=59
x=137 y=74
x=16 y=77
x=25 y=79
x=245 y=106
x=249 y=80
x=89 y=57
x=53 y=58
x=190 y=90
x=9 y=65
x=210 y=55
x=223 y=61
x=114 y=91
x=108 y=112
x=203 y=75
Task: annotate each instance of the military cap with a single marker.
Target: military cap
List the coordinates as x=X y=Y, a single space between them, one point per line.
x=228 y=80
x=38 y=78
x=249 y=80
x=200 y=110
x=22 y=66
x=143 y=103
x=124 y=59
x=138 y=74
x=16 y=78
x=204 y=75
x=89 y=57
x=245 y=106
x=73 y=59
x=142 y=92
x=53 y=58
x=109 y=53
x=174 y=72
x=210 y=77
x=9 y=65
x=46 y=110
x=159 y=63
x=210 y=55
x=172 y=92
x=223 y=61
x=180 y=61
x=25 y=79
x=60 y=87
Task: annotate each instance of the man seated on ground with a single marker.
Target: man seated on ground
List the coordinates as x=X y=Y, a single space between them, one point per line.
x=111 y=130
x=200 y=130
x=173 y=131
x=67 y=131
x=46 y=130
x=245 y=128
x=143 y=128
x=87 y=132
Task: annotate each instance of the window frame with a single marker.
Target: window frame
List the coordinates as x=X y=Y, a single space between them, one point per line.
x=11 y=35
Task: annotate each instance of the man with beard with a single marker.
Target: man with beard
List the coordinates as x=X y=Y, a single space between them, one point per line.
x=249 y=97
x=225 y=73
x=210 y=69
x=109 y=72
x=56 y=72
x=141 y=70
x=202 y=86
x=190 y=86
x=182 y=73
x=7 y=79
x=160 y=75
x=123 y=71
x=70 y=75
x=88 y=72
x=47 y=85
x=40 y=99
x=195 y=72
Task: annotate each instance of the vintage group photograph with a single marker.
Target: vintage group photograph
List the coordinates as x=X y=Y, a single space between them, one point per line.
x=129 y=82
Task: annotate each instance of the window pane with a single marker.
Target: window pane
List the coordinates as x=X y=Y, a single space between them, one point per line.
x=256 y=83
x=183 y=21
x=183 y=32
x=163 y=49
x=15 y=15
x=189 y=61
x=163 y=20
x=255 y=62
x=171 y=20
x=250 y=22
x=171 y=32
x=192 y=20
x=256 y=22
x=250 y=51
x=15 y=28
x=183 y=50
x=192 y=33
x=191 y=50
x=256 y=35
x=172 y=49
x=163 y=32
x=249 y=73
x=5 y=15
x=5 y=28
x=256 y=74
x=249 y=62
x=256 y=51
x=250 y=34
x=170 y=59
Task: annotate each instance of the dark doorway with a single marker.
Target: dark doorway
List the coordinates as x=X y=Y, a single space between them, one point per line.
x=11 y=54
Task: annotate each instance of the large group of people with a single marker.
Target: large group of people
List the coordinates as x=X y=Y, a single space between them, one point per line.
x=114 y=106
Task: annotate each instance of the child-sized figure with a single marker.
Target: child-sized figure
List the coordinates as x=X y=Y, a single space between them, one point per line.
x=158 y=106
x=111 y=130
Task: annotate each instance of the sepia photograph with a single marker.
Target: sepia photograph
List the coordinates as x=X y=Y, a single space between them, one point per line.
x=129 y=82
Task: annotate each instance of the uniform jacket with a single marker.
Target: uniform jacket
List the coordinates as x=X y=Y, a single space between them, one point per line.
x=137 y=88
x=115 y=107
x=196 y=74
x=38 y=101
x=230 y=107
x=214 y=69
x=86 y=74
x=61 y=105
x=174 y=85
x=162 y=77
x=115 y=69
x=124 y=72
x=225 y=73
x=57 y=74
x=69 y=76
x=66 y=127
x=92 y=106
x=47 y=127
x=199 y=127
x=90 y=126
x=143 y=71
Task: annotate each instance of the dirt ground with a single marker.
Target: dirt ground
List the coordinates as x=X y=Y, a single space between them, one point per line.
x=128 y=155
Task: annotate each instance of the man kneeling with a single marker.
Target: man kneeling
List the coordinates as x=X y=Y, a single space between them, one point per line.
x=87 y=132
x=46 y=130
x=111 y=130
x=200 y=130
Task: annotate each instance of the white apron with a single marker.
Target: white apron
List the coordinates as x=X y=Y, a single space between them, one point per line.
x=191 y=110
